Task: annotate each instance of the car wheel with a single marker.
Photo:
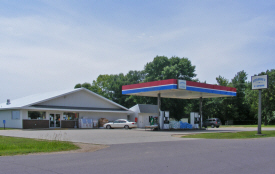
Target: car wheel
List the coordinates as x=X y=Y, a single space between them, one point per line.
x=212 y=125
x=217 y=126
x=108 y=127
x=126 y=127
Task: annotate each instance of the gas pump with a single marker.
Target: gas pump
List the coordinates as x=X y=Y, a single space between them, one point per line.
x=195 y=119
x=153 y=120
x=164 y=120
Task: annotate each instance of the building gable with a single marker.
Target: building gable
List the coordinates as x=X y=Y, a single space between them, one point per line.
x=80 y=99
x=147 y=108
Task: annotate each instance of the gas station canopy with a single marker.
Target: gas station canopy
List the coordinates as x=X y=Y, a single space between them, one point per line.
x=180 y=89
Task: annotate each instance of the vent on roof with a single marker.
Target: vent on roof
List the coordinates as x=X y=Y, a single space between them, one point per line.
x=8 y=101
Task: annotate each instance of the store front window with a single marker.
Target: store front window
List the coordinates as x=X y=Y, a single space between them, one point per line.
x=70 y=116
x=36 y=115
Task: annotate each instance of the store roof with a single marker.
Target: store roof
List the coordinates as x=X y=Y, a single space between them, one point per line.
x=147 y=108
x=36 y=99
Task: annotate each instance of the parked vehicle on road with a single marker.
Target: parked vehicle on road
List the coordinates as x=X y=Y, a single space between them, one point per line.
x=213 y=122
x=120 y=123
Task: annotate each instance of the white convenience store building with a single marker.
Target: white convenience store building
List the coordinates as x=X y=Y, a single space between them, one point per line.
x=60 y=109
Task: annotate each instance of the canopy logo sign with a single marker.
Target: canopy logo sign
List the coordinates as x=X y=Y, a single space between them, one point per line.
x=181 y=84
x=259 y=82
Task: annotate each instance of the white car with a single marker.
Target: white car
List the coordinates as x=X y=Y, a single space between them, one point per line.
x=120 y=123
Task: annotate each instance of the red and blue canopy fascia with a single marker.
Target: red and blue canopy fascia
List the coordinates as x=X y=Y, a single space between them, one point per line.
x=171 y=84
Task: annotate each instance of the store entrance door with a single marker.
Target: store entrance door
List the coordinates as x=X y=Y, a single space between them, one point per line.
x=54 y=120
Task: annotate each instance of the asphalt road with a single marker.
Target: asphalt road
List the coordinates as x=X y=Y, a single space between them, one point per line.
x=139 y=151
x=198 y=156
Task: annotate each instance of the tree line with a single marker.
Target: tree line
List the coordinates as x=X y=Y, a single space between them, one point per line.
x=242 y=109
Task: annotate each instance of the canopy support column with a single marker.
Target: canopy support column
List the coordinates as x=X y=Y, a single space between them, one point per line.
x=159 y=106
x=201 y=113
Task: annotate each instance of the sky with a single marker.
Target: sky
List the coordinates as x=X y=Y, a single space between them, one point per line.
x=49 y=45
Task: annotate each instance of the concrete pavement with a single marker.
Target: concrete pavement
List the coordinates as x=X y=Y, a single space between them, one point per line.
x=113 y=136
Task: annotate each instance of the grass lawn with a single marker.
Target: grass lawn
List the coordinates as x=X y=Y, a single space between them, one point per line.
x=1 y=128
x=17 y=146
x=232 y=135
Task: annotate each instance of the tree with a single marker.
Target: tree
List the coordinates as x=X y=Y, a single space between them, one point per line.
x=84 y=85
x=77 y=86
x=268 y=99
x=153 y=70
x=179 y=68
x=101 y=86
x=219 y=107
x=251 y=96
x=222 y=81
x=174 y=68
x=232 y=108
x=133 y=77
x=242 y=114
